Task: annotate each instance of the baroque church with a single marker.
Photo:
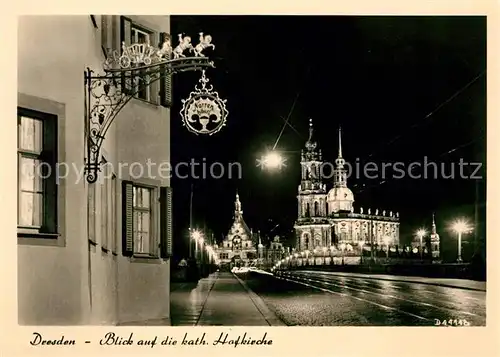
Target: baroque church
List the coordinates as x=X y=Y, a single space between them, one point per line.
x=238 y=248
x=242 y=247
x=328 y=219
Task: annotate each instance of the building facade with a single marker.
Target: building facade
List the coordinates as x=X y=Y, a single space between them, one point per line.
x=242 y=247
x=273 y=253
x=238 y=249
x=89 y=253
x=327 y=220
x=430 y=244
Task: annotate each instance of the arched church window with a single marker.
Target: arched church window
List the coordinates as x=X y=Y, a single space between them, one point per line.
x=306 y=241
x=326 y=206
x=307 y=210
x=316 y=209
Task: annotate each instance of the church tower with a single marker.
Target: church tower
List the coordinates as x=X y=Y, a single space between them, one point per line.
x=340 y=197
x=312 y=191
x=238 y=212
x=311 y=227
x=434 y=240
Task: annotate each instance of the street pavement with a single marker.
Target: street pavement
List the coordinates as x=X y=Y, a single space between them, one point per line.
x=312 y=298
x=221 y=299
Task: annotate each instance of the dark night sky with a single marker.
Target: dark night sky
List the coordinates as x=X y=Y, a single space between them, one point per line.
x=377 y=77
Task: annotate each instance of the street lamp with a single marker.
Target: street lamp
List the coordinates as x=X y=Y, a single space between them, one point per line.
x=342 y=247
x=324 y=255
x=307 y=257
x=196 y=235
x=460 y=227
x=361 y=243
x=421 y=233
x=332 y=249
x=272 y=160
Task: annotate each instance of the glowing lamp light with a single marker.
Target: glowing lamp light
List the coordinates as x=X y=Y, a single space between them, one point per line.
x=461 y=226
x=421 y=233
x=272 y=160
x=196 y=234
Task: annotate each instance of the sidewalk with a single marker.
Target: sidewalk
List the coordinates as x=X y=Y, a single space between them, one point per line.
x=450 y=283
x=222 y=299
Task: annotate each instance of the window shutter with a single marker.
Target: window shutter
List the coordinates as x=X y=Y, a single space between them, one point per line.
x=126 y=36
x=166 y=222
x=49 y=155
x=127 y=219
x=166 y=78
x=153 y=88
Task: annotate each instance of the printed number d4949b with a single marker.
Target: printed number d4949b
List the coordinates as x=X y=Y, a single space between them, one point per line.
x=451 y=322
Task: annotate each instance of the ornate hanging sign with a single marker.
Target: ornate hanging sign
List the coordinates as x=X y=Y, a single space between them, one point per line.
x=134 y=69
x=204 y=112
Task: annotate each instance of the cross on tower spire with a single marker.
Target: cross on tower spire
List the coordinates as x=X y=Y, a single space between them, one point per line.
x=433 y=224
x=340 y=142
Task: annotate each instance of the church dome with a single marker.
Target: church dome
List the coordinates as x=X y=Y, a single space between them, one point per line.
x=340 y=199
x=340 y=194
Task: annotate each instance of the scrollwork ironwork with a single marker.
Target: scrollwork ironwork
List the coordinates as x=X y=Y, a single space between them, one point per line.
x=125 y=75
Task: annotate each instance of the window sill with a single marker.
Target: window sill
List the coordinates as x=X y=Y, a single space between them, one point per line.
x=39 y=235
x=149 y=259
x=40 y=239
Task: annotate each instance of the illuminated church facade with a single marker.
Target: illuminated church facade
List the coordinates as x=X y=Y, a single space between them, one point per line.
x=242 y=247
x=328 y=220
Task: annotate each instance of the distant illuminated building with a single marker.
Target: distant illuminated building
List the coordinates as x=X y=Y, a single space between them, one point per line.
x=434 y=240
x=327 y=219
x=238 y=248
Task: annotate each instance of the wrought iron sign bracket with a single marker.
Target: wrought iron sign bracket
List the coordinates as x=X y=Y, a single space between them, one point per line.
x=125 y=75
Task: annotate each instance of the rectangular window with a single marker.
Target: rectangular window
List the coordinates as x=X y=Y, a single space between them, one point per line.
x=143 y=220
x=147 y=221
x=139 y=35
x=36 y=160
x=138 y=81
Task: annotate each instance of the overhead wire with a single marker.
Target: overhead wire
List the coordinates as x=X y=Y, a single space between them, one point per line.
x=421 y=122
x=417 y=124
x=287 y=120
x=447 y=152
